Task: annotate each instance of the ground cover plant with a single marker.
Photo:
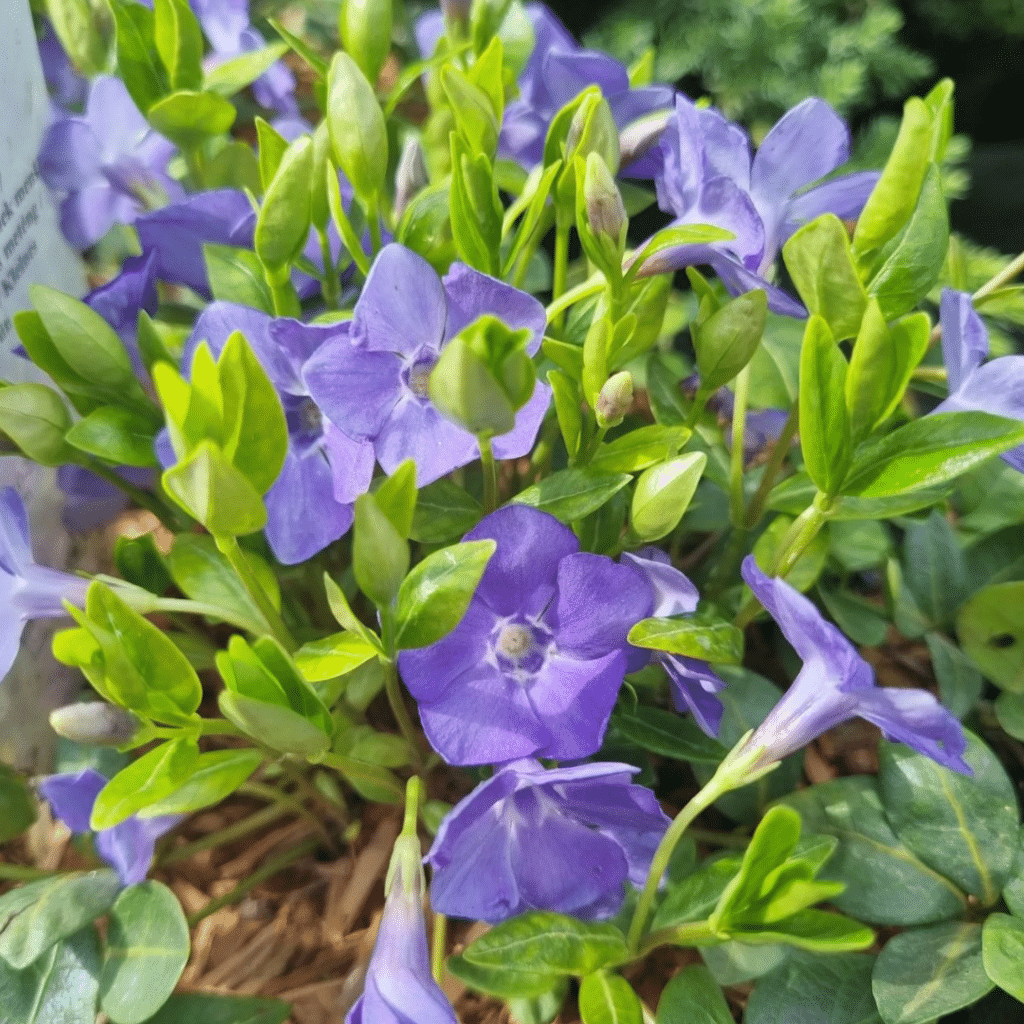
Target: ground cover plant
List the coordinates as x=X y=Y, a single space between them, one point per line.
x=477 y=525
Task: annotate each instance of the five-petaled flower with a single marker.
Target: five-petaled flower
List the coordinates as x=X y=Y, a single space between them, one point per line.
x=567 y=840
x=535 y=665
x=836 y=684
x=127 y=847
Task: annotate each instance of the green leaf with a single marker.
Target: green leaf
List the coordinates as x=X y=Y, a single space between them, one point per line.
x=663 y=391
x=152 y=777
x=333 y=656
x=1002 y=952
x=816 y=990
x=964 y=827
x=188 y=118
x=436 y=593
x=817 y=931
x=567 y=398
x=236 y=275
x=693 y=996
x=371 y=781
x=17 y=808
x=696 y=637
x=179 y=41
x=926 y=973
x=667 y=734
x=380 y=555
x=60 y=987
x=824 y=423
x=138 y=63
x=807 y=568
x=237 y=73
x=1009 y=709
x=1013 y=893
x=912 y=262
x=608 y=999
x=396 y=497
x=727 y=340
x=215 y=775
x=733 y=963
x=147 y=949
x=278 y=727
x=498 y=981
x=960 y=683
x=886 y=883
x=282 y=225
x=795 y=493
x=663 y=493
x=443 y=512
x=860 y=620
x=545 y=943
x=346 y=618
x=572 y=494
x=991 y=629
x=819 y=260
x=695 y=897
x=934 y=567
x=119 y=436
x=197 y=1008
x=35 y=916
x=639 y=449
x=928 y=452
x=35 y=418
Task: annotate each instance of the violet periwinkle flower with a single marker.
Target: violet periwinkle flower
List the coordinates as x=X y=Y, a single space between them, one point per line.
x=535 y=665
x=836 y=684
x=107 y=165
x=310 y=504
x=557 y=71
x=709 y=177
x=997 y=387
x=127 y=847
x=372 y=375
x=90 y=501
x=693 y=683
x=399 y=987
x=762 y=427
x=66 y=86
x=565 y=840
x=27 y=591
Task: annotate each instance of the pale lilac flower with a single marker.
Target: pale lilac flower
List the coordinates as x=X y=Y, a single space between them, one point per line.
x=121 y=299
x=836 y=684
x=106 y=165
x=565 y=840
x=372 y=376
x=693 y=683
x=997 y=387
x=66 y=86
x=127 y=847
x=399 y=987
x=535 y=665
x=709 y=178
x=559 y=69
x=90 y=501
x=27 y=591
x=310 y=504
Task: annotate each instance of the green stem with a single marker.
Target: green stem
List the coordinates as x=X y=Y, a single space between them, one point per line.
x=707 y=796
x=699 y=401
x=591 y=286
x=23 y=873
x=739 y=429
x=755 y=510
x=150 y=502
x=693 y=933
x=1008 y=273
x=228 y=547
x=589 y=450
x=173 y=605
x=373 y=216
x=271 y=868
x=228 y=834
x=331 y=284
x=562 y=228
x=438 y=946
x=393 y=689
x=490 y=469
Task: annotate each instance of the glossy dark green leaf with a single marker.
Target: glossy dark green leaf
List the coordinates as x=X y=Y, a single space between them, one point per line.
x=885 y=882
x=606 y=998
x=35 y=916
x=934 y=567
x=147 y=949
x=991 y=628
x=60 y=987
x=696 y=637
x=444 y=511
x=695 y=997
x=1013 y=891
x=960 y=683
x=572 y=494
x=1002 y=952
x=965 y=828
x=668 y=734
x=926 y=973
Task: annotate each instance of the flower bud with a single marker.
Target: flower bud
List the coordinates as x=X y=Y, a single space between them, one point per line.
x=96 y=723
x=411 y=175
x=640 y=137
x=606 y=212
x=456 y=10
x=615 y=399
x=593 y=130
x=663 y=493
x=365 y=28
x=359 y=134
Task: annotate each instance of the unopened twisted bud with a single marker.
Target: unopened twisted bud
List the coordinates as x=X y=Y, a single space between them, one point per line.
x=614 y=400
x=95 y=723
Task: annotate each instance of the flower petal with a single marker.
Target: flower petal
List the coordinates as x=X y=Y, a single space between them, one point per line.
x=71 y=796
x=471 y=295
x=964 y=337
x=416 y=430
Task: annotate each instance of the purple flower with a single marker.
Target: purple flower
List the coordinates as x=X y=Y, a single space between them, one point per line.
x=66 y=86
x=90 y=501
x=558 y=70
x=528 y=839
x=120 y=301
x=27 y=591
x=709 y=178
x=693 y=683
x=310 y=504
x=836 y=684
x=226 y=25
x=997 y=387
x=763 y=427
x=371 y=377
x=127 y=847
x=399 y=988
x=535 y=665
x=107 y=165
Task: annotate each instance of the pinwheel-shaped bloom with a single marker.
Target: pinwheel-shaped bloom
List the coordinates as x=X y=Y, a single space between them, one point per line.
x=107 y=165
x=557 y=71
x=310 y=504
x=836 y=684
x=127 y=847
x=693 y=683
x=371 y=377
x=399 y=988
x=27 y=591
x=997 y=387
x=226 y=25
x=528 y=839
x=535 y=665
x=709 y=178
